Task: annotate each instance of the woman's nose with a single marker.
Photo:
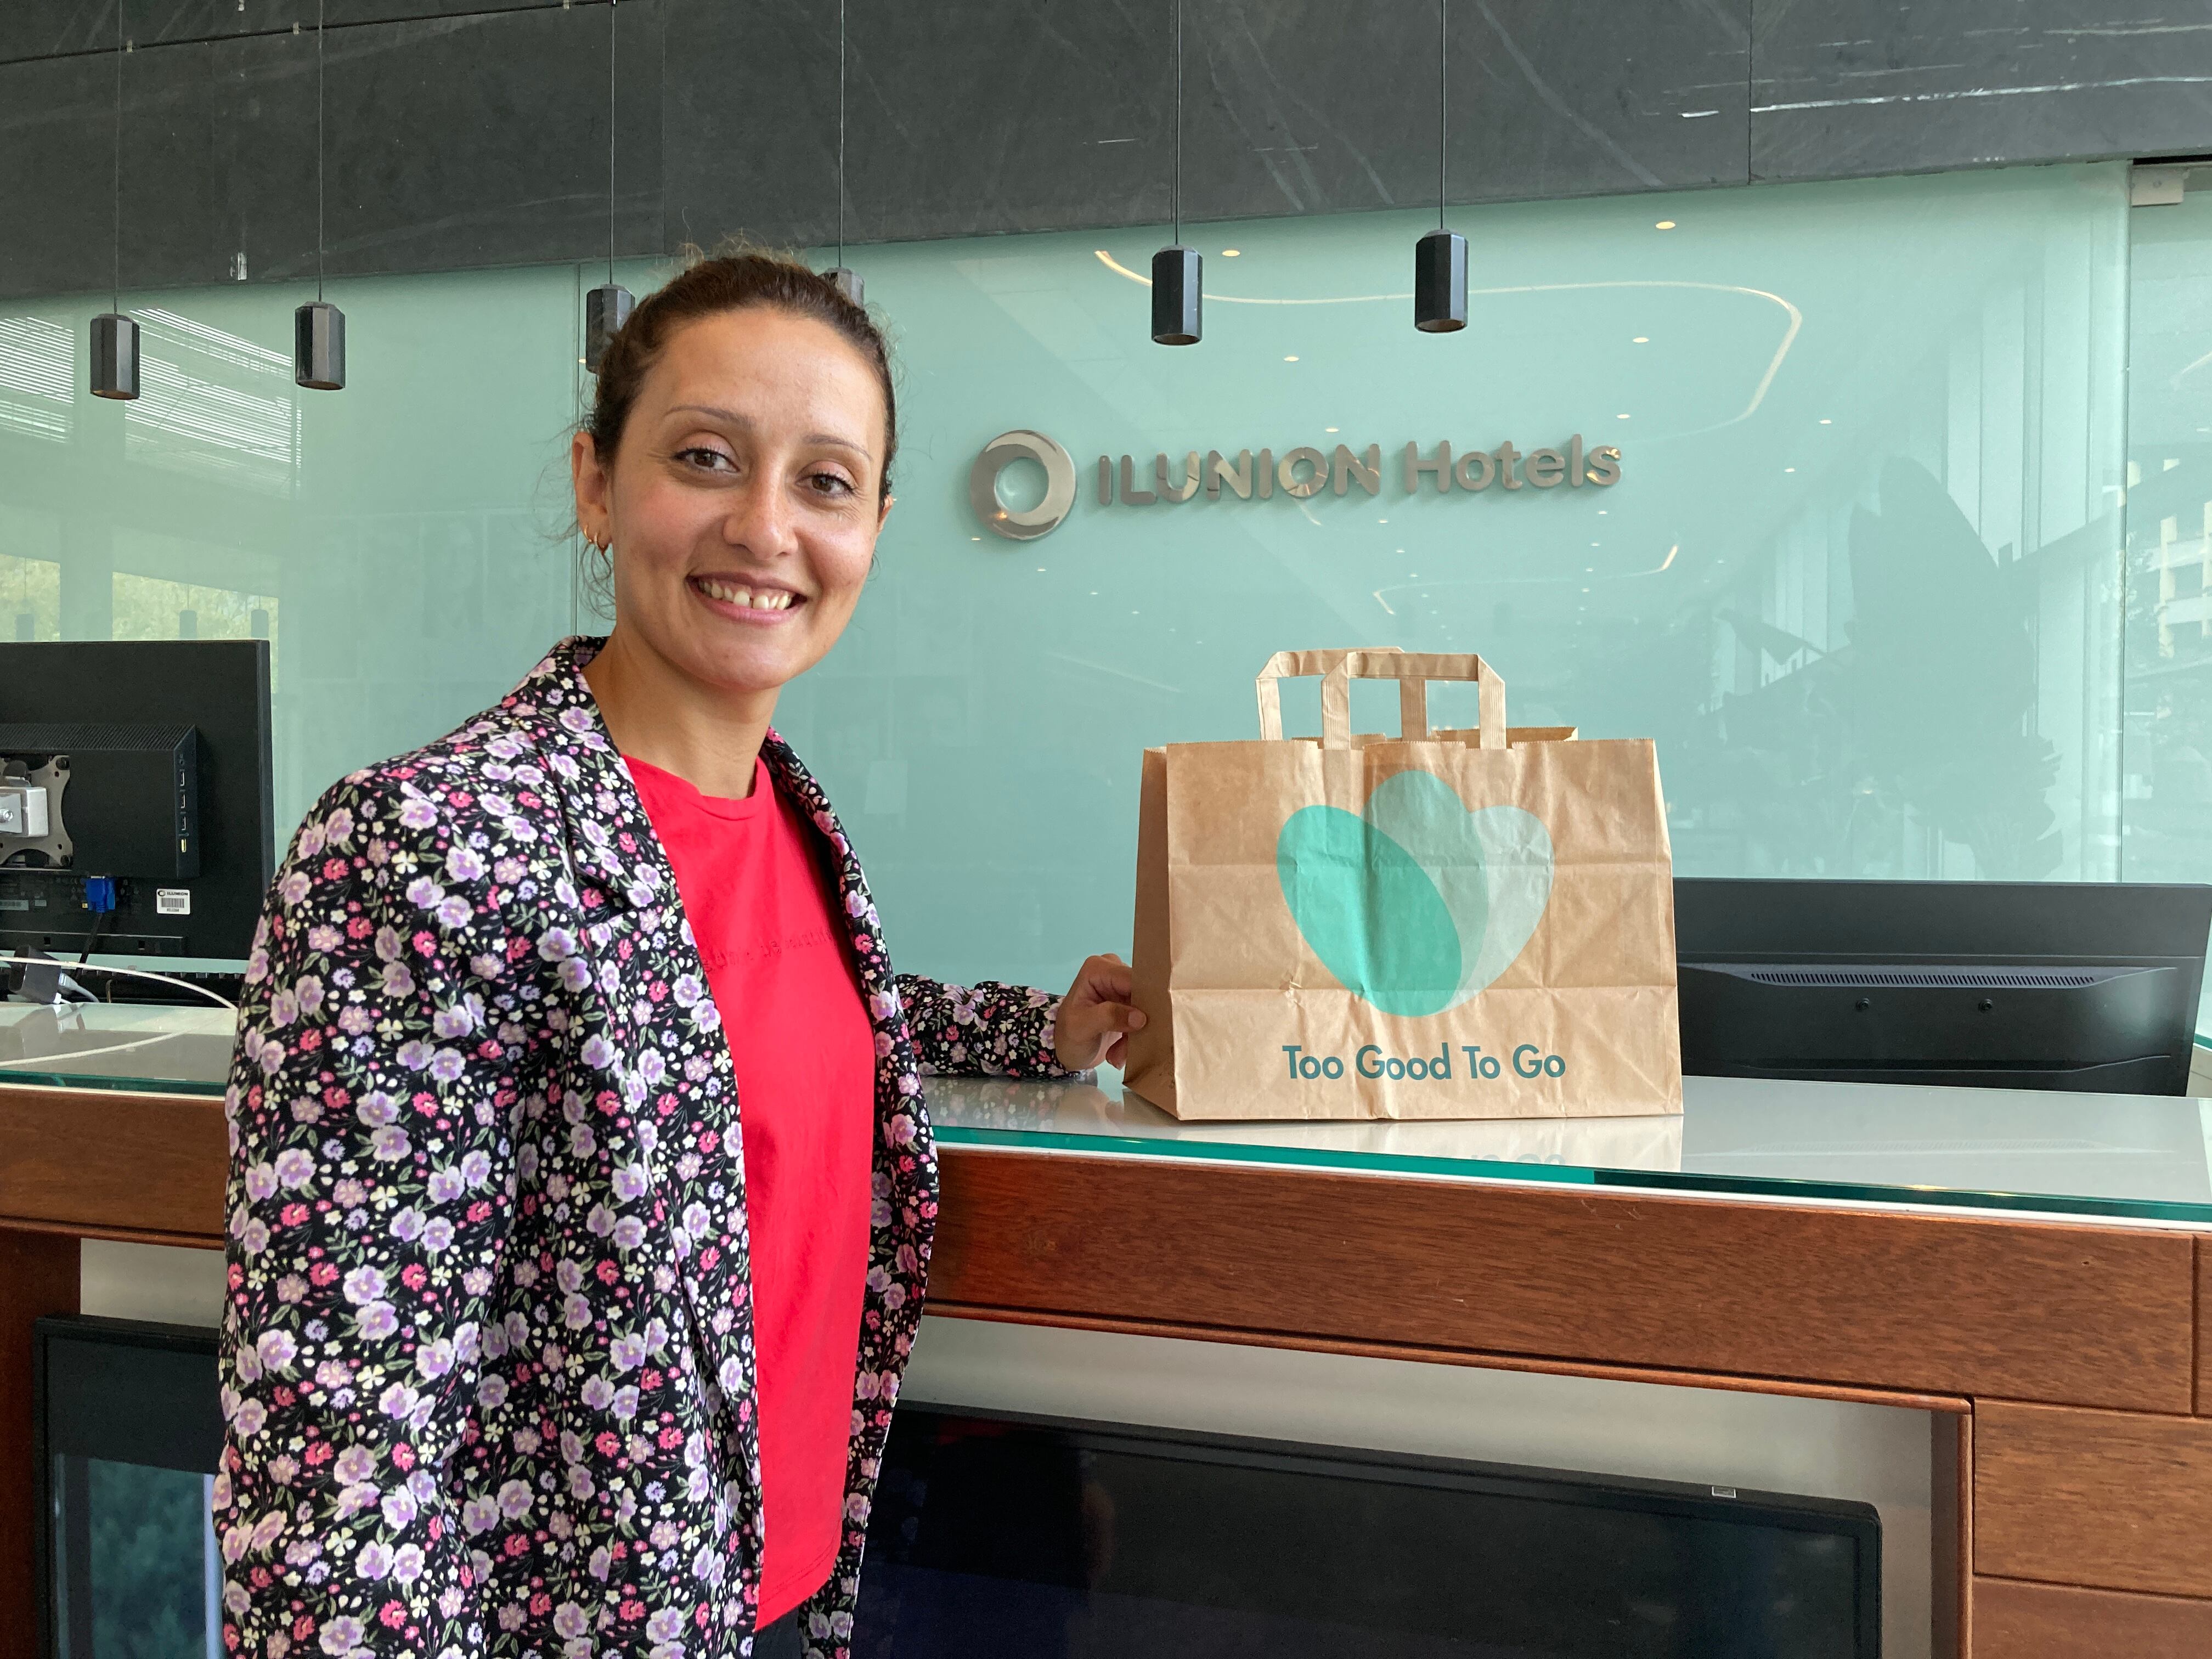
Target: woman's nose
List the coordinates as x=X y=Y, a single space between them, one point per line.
x=759 y=520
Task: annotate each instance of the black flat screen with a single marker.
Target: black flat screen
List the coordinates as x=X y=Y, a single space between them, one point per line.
x=1038 y=1539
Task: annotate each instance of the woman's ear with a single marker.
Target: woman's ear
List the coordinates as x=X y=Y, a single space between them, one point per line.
x=594 y=490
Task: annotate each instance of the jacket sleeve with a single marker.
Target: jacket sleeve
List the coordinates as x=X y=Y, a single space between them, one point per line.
x=986 y=1030
x=372 y=1104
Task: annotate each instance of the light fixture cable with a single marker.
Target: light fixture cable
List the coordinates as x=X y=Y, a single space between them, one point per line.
x=1443 y=96
x=1178 y=150
x=610 y=139
x=117 y=297
x=319 y=163
x=841 y=135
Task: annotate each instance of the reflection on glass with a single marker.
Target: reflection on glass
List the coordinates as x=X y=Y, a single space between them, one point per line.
x=37 y=377
x=2167 y=780
x=150 y=1580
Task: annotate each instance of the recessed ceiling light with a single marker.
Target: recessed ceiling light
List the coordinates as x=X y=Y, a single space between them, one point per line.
x=1291 y=359
x=1641 y=339
x=1231 y=252
x=1664 y=224
x=1826 y=422
x=1620 y=418
x=1788 y=469
x=1328 y=428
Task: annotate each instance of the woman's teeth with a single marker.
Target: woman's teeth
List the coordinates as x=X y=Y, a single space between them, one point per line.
x=753 y=599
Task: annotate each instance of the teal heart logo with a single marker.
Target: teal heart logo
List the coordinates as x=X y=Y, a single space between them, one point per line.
x=1418 y=903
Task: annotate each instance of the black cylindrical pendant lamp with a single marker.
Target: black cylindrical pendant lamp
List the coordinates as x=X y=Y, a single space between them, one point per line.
x=849 y=283
x=1440 y=257
x=1440 y=283
x=319 y=346
x=1176 y=295
x=114 y=356
x=606 y=308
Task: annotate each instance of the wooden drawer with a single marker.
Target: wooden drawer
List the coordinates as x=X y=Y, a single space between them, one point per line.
x=2013 y=1620
x=2105 y=1499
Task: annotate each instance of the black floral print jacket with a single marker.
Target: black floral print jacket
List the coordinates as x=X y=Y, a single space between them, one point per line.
x=488 y=1352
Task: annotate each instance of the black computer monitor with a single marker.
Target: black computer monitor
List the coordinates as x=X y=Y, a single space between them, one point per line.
x=135 y=773
x=2014 y=985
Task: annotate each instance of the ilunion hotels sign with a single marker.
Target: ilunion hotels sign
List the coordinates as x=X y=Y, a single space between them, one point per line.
x=1298 y=473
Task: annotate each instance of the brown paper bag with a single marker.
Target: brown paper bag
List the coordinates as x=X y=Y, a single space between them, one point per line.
x=1441 y=925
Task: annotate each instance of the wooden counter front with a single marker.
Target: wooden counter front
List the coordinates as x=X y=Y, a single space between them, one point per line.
x=1929 y=1305
x=2068 y=1359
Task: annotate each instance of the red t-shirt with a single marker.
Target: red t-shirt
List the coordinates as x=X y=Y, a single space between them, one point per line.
x=765 y=916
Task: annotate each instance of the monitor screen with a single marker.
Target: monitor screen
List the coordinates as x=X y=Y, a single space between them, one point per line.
x=1068 y=1539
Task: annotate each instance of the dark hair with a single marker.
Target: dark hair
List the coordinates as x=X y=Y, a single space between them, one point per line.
x=733 y=282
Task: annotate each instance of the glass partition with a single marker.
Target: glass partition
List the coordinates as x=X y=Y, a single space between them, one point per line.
x=2167 y=808
x=1821 y=486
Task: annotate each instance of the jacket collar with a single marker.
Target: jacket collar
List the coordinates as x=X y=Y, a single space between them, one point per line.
x=554 y=712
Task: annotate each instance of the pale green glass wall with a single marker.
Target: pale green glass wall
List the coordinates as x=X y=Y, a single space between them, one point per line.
x=1863 y=577
x=2167 y=812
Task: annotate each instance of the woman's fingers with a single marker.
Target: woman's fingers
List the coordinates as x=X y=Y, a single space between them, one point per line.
x=1108 y=978
x=1096 y=1014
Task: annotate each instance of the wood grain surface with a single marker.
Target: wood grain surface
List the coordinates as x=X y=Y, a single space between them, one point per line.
x=2203 y=1325
x=2015 y=1620
x=111 y=1165
x=39 y=1275
x=1912 y=1304
x=1951 y=1538
x=2107 y=1499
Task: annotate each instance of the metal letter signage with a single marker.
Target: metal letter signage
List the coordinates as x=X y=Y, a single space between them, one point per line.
x=1301 y=473
x=1029 y=523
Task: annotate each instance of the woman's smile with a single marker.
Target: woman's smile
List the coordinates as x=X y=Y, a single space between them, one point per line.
x=749 y=600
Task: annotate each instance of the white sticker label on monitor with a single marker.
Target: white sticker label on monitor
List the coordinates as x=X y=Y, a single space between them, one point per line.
x=173 y=901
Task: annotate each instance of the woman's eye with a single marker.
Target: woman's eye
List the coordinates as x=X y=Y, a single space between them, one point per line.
x=710 y=460
x=830 y=484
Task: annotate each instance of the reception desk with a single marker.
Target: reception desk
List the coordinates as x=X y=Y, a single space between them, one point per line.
x=2032 y=1269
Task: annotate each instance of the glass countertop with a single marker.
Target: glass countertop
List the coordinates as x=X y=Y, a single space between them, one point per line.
x=2118 y=1157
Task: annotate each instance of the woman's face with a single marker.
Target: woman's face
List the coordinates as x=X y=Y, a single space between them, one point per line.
x=743 y=502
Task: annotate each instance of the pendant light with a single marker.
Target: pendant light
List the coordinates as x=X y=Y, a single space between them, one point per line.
x=318 y=327
x=114 y=335
x=1440 y=257
x=1176 y=270
x=848 y=280
x=607 y=307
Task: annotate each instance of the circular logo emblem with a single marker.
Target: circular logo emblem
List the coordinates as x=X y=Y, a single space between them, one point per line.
x=1029 y=523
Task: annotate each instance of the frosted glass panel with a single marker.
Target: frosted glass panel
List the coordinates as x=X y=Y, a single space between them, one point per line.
x=398 y=543
x=1861 y=574
x=2168 y=786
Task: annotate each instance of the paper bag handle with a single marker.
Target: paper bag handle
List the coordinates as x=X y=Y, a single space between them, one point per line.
x=1305 y=665
x=1413 y=672
x=1413 y=669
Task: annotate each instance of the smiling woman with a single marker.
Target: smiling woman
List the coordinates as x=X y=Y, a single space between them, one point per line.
x=534 y=1336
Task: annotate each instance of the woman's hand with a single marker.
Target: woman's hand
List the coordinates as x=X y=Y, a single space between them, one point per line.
x=1094 y=1017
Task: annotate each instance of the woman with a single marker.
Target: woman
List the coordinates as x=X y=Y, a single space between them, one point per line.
x=536 y=1342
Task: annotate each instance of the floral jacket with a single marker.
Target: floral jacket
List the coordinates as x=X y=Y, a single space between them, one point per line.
x=488 y=1351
